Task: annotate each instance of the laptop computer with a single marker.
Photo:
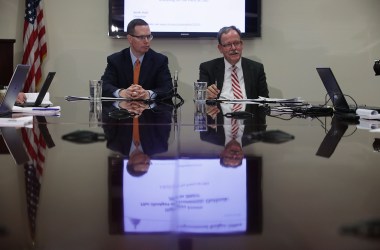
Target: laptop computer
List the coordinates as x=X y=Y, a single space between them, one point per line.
x=15 y=145
x=14 y=88
x=336 y=94
x=41 y=94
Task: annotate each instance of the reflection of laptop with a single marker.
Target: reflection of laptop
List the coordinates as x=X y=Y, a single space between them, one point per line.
x=331 y=140
x=41 y=94
x=14 y=87
x=12 y=139
x=45 y=131
x=336 y=94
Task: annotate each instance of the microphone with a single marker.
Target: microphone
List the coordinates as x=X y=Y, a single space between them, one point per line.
x=175 y=82
x=175 y=85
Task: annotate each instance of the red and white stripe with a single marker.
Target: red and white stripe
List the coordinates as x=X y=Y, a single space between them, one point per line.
x=36 y=146
x=35 y=48
x=235 y=84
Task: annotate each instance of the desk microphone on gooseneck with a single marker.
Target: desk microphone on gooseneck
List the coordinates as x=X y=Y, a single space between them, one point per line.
x=175 y=82
x=175 y=85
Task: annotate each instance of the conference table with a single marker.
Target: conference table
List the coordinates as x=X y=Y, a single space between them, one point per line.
x=303 y=181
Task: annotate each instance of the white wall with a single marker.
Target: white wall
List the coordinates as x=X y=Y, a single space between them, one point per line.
x=297 y=36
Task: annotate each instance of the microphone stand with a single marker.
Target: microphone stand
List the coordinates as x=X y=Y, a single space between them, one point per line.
x=175 y=84
x=177 y=104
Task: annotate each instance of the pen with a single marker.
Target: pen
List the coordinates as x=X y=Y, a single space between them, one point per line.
x=45 y=109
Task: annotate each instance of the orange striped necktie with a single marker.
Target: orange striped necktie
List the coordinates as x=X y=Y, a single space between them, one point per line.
x=136 y=72
x=136 y=132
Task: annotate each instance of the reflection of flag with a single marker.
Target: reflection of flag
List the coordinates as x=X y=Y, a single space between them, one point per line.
x=35 y=49
x=36 y=147
x=32 y=185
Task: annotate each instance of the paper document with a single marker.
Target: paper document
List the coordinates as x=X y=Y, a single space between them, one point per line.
x=31 y=98
x=16 y=122
x=368 y=114
x=291 y=100
x=264 y=100
x=48 y=111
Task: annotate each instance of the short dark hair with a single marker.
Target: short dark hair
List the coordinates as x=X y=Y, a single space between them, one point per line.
x=225 y=30
x=132 y=24
x=134 y=173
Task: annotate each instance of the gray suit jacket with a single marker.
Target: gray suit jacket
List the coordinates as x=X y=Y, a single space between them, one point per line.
x=253 y=72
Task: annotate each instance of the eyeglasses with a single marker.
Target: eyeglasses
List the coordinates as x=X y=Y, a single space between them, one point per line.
x=235 y=44
x=142 y=38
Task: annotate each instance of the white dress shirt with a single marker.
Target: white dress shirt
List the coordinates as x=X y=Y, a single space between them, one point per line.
x=227 y=92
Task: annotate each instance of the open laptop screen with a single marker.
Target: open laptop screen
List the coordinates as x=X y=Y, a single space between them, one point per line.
x=14 y=87
x=332 y=87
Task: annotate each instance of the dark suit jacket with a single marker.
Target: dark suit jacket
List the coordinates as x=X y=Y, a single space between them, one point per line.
x=251 y=125
x=253 y=72
x=154 y=138
x=154 y=73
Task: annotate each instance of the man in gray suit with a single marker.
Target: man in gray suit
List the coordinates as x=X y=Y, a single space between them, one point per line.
x=217 y=72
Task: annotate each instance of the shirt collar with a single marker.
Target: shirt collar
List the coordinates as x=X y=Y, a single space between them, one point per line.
x=135 y=58
x=229 y=65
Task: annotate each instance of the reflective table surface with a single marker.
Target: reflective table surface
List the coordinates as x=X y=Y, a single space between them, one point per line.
x=298 y=182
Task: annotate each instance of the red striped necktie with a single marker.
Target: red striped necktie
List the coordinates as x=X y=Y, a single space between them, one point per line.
x=235 y=84
x=237 y=95
x=234 y=122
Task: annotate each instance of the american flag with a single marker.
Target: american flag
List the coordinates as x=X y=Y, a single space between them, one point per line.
x=35 y=49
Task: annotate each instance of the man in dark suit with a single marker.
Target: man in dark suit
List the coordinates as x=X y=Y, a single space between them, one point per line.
x=154 y=131
x=154 y=81
x=219 y=131
x=217 y=72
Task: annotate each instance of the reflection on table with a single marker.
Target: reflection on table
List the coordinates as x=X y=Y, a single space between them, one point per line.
x=280 y=187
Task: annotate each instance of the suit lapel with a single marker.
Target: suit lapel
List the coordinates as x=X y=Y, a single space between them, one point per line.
x=219 y=73
x=146 y=64
x=128 y=71
x=247 y=77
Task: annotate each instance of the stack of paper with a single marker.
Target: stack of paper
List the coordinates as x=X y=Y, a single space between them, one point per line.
x=296 y=100
x=16 y=122
x=281 y=100
x=31 y=97
x=41 y=111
